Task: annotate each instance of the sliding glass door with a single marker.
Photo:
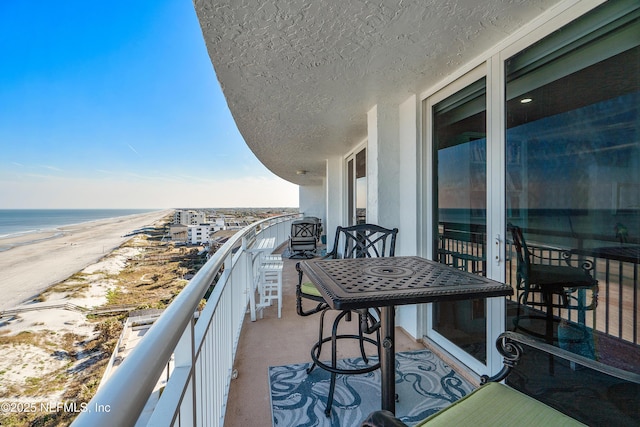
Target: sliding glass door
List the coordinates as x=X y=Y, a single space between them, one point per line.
x=553 y=124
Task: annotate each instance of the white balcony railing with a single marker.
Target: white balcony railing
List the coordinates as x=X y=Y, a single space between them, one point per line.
x=203 y=351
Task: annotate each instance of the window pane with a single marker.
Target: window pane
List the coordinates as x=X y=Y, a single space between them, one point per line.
x=460 y=209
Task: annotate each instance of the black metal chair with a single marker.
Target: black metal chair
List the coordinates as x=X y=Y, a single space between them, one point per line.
x=545 y=280
x=358 y=241
x=304 y=238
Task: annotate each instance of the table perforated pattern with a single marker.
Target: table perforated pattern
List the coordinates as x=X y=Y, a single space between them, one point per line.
x=398 y=274
x=379 y=282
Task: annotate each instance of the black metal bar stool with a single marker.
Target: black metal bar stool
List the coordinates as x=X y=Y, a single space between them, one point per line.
x=358 y=241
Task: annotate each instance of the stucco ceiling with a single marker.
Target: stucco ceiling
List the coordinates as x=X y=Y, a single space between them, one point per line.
x=299 y=76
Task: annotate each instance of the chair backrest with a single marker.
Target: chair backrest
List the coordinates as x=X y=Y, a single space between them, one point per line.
x=304 y=229
x=318 y=223
x=522 y=251
x=364 y=241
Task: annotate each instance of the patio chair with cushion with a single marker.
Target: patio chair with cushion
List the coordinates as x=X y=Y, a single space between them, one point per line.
x=581 y=392
x=358 y=241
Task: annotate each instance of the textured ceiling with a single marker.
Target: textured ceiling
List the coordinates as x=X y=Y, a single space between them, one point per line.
x=299 y=76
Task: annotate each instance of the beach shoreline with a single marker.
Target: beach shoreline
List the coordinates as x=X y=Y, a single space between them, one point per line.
x=9 y=242
x=32 y=262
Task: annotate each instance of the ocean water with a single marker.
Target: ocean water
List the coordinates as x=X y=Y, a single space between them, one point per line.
x=15 y=222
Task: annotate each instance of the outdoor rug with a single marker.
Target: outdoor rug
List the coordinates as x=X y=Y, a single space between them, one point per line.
x=424 y=384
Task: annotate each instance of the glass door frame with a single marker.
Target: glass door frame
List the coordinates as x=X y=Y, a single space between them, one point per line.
x=495 y=307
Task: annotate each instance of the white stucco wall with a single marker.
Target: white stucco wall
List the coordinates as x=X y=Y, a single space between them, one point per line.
x=393 y=182
x=383 y=166
x=335 y=206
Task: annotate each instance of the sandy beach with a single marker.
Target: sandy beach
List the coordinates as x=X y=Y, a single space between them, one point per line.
x=36 y=261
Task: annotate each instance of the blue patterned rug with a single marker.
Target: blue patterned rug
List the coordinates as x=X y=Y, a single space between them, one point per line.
x=424 y=384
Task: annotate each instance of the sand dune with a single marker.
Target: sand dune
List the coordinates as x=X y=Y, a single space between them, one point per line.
x=38 y=261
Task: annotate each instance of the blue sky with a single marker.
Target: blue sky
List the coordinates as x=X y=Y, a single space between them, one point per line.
x=116 y=104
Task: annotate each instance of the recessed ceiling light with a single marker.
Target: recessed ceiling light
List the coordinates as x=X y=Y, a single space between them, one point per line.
x=526 y=100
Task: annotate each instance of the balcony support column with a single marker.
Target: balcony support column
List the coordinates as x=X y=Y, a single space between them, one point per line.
x=383 y=165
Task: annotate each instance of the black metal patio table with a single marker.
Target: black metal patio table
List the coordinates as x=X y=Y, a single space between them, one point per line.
x=386 y=282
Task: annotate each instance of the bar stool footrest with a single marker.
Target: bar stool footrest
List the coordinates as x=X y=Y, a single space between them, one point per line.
x=315 y=357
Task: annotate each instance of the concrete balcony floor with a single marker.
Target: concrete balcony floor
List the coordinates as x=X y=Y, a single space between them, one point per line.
x=272 y=342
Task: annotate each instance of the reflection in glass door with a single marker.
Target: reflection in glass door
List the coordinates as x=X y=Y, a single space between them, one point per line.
x=573 y=179
x=460 y=209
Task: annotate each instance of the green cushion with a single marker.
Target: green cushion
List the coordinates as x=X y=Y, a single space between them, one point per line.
x=495 y=404
x=310 y=289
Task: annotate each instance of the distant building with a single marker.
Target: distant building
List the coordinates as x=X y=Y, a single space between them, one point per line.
x=178 y=233
x=218 y=224
x=196 y=226
x=189 y=217
x=199 y=234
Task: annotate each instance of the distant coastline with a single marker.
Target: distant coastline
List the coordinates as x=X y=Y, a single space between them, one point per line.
x=27 y=226
x=35 y=261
